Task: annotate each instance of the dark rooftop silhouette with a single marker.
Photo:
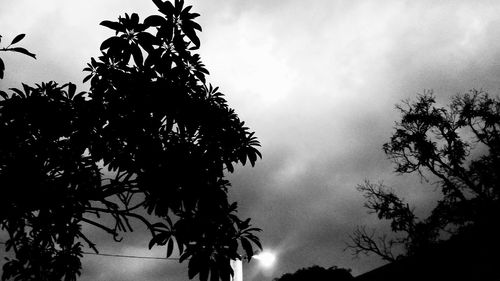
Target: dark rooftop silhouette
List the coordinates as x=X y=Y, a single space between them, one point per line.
x=473 y=255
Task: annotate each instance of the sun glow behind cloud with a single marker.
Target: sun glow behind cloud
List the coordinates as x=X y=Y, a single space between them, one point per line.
x=266 y=258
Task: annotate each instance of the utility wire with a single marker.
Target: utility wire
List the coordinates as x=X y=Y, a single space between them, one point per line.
x=128 y=256
x=122 y=256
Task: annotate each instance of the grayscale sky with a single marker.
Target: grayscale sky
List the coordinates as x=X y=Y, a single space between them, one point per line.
x=317 y=81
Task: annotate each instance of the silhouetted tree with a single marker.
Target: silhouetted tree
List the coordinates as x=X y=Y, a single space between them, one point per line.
x=458 y=145
x=317 y=273
x=150 y=140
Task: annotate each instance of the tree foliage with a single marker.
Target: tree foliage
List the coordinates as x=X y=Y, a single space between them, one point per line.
x=458 y=145
x=317 y=273
x=149 y=137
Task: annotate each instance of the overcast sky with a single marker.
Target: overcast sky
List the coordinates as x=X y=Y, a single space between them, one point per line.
x=317 y=81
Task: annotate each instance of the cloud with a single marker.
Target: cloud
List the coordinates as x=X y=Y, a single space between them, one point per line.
x=338 y=78
x=316 y=80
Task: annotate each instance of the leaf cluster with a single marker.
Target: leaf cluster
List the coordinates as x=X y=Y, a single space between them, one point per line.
x=21 y=50
x=49 y=179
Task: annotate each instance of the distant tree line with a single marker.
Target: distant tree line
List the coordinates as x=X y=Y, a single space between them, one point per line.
x=317 y=273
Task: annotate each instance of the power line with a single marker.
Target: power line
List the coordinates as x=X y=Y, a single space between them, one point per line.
x=122 y=256
x=128 y=256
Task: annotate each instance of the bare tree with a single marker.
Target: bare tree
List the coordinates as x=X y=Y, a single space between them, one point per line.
x=460 y=146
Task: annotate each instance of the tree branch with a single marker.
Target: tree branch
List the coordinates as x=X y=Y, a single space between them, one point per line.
x=364 y=243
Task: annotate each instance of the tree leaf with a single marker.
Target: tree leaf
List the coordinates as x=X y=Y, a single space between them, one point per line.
x=155 y=20
x=243 y=157
x=22 y=51
x=159 y=225
x=183 y=257
x=255 y=240
x=180 y=245
x=111 y=42
x=191 y=34
x=113 y=25
x=87 y=78
x=247 y=247
x=186 y=10
x=170 y=247
x=27 y=89
x=193 y=267
x=164 y=7
x=158 y=3
x=2 y=68
x=4 y=95
x=146 y=40
x=193 y=25
x=178 y=6
x=137 y=54
x=18 y=92
x=134 y=18
x=229 y=166
x=153 y=241
x=71 y=90
x=17 y=39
